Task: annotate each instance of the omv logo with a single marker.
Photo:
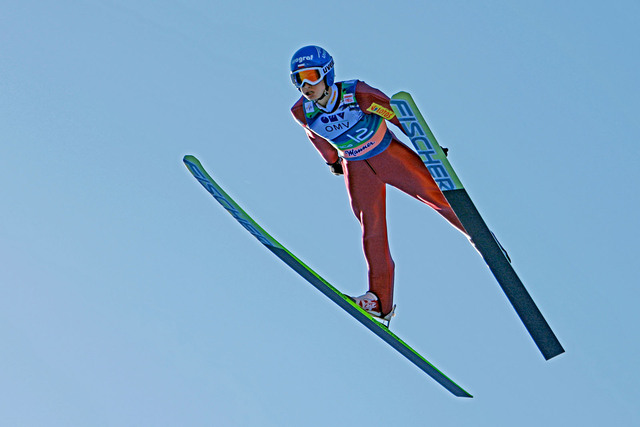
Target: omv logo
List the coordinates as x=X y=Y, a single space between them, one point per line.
x=332 y=118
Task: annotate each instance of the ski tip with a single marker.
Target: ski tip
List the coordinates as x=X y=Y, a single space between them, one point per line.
x=191 y=160
x=458 y=391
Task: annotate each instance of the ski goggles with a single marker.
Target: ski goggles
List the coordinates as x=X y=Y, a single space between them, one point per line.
x=313 y=76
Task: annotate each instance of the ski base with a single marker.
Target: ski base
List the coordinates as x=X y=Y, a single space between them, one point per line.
x=442 y=172
x=343 y=301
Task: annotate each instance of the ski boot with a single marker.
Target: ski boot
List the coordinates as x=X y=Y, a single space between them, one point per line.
x=370 y=303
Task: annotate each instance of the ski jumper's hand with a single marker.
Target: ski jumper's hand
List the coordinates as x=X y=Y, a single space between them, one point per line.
x=336 y=167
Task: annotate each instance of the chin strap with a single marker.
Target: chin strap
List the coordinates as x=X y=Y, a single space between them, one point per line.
x=326 y=93
x=332 y=92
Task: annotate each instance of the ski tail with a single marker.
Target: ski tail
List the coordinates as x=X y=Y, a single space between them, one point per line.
x=425 y=143
x=485 y=242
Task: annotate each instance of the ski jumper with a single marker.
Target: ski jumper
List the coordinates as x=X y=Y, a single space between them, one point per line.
x=353 y=128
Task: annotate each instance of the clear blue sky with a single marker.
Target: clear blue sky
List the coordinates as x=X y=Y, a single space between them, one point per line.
x=128 y=297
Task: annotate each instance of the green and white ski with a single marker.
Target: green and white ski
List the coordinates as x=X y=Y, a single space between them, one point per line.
x=195 y=167
x=436 y=161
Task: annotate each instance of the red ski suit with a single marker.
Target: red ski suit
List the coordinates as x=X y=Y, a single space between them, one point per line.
x=366 y=182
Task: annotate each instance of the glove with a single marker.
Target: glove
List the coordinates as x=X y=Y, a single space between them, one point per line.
x=336 y=167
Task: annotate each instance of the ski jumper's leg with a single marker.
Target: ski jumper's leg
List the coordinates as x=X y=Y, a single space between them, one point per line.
x=367 y=194
x=402 y=168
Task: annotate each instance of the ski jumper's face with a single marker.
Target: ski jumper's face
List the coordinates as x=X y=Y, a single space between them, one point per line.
x=313 y=92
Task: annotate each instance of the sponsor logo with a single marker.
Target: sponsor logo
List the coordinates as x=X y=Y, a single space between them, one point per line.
x=335 y=121
x=355 y=151
x=327 y=67
x=423 y=145
x=332 y=118
x=381 y=111
x=303 y=58
x=339 y=126
x=348 y=98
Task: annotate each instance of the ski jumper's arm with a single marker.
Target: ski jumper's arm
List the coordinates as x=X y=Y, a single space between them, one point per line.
x=374 y=101
x=326 y=150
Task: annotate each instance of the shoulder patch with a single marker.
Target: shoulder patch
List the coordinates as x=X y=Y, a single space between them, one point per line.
x=308 y=107
x=381 y=111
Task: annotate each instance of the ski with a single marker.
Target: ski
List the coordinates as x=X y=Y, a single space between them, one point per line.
x=195 y=167
x=436 y=161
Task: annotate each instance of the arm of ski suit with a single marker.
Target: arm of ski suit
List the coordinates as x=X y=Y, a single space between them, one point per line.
x=374 y=101
x=326 y=150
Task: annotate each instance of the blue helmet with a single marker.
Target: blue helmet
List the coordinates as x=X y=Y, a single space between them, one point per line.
x=311 y=64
